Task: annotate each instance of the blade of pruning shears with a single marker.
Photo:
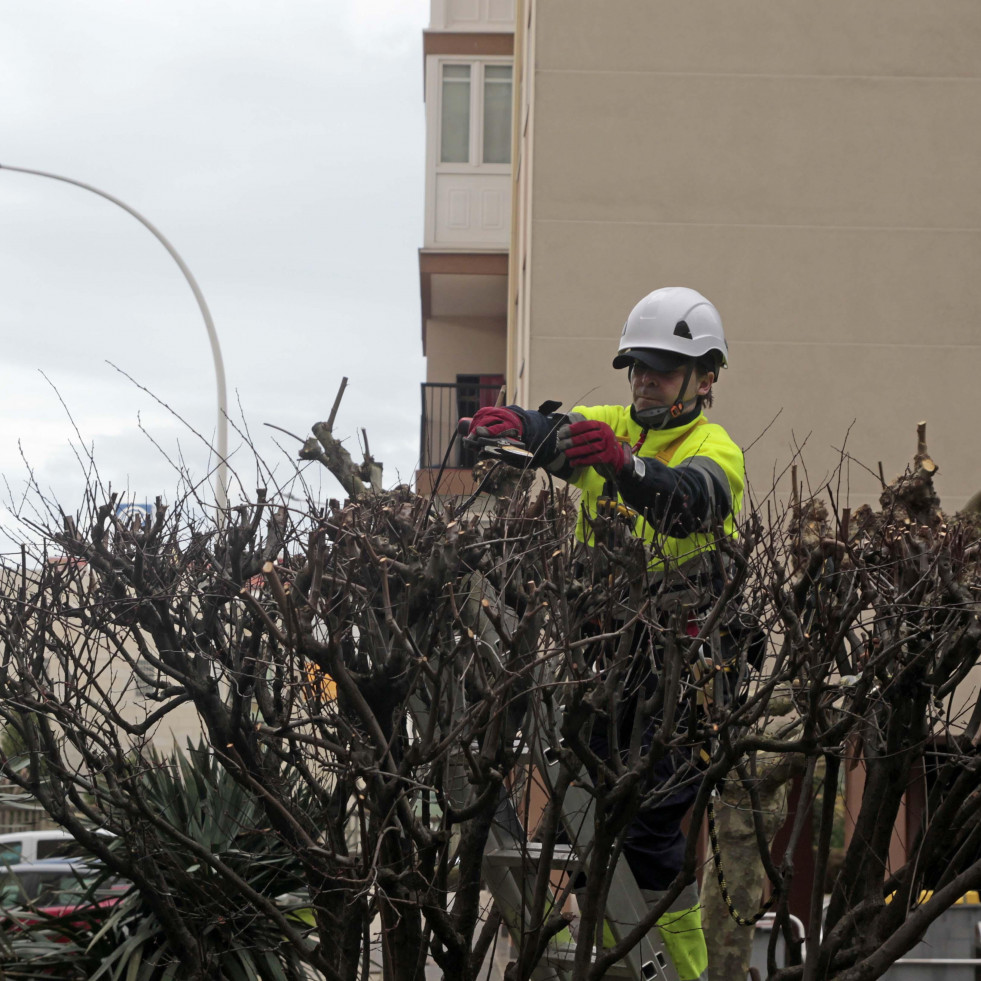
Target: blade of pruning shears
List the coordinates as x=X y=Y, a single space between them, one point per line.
x=510 y=451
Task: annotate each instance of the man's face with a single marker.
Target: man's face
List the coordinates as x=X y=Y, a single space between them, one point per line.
x=653 y=389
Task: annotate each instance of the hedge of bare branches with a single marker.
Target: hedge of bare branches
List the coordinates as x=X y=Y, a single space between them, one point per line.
x=372 y=672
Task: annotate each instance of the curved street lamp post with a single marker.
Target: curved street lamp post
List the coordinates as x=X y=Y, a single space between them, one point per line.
x=221 y=494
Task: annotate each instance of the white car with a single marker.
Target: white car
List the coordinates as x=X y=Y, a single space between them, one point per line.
x=30 y=846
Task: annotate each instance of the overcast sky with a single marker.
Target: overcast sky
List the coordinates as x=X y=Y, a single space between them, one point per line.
x=280 y=148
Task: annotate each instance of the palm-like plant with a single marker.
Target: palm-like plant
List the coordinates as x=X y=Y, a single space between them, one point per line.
x=208 y=845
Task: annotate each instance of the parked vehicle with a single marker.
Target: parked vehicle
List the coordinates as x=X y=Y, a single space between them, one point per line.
x=56 y=886
x=32 y=846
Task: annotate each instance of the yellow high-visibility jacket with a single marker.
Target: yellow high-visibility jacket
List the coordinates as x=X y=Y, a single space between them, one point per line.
x=709 y=455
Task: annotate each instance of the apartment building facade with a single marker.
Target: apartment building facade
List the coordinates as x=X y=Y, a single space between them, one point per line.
x=811 y=168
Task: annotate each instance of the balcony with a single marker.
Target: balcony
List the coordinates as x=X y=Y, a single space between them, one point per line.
x=468 y=152
x=443 y=405
x=472 y=15
x=472 y=211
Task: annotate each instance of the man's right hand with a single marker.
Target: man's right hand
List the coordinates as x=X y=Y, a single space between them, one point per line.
x=493 y=421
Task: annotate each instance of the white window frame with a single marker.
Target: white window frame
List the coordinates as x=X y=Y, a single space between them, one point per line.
x=477 y=66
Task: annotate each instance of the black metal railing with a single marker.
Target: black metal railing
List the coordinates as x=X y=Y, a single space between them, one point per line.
x=443 y=405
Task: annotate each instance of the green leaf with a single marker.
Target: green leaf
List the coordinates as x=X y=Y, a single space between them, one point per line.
x=133 y=970
x=274 y=967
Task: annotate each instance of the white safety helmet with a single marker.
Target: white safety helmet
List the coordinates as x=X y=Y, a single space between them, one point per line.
x=670 y=326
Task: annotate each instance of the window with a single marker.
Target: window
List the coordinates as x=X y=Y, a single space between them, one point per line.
x=475 y=114
x=58 y=848
x=455 y=123
x=11 y=893
x=497 y=114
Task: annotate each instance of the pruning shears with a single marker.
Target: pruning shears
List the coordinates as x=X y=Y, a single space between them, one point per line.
x=610 y=506
x=504 y=448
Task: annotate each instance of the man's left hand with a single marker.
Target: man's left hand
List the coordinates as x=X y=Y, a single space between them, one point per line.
x=591 y=443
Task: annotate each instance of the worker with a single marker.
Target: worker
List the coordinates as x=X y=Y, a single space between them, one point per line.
x=681 y=477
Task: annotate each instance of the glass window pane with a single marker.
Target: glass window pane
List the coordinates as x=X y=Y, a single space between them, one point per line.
x=454 y=131
x=497 y=114
x=10 y=891
x=55 y=848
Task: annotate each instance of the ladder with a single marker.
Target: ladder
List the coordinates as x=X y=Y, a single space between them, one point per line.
x=511 y=865
x=511 y=862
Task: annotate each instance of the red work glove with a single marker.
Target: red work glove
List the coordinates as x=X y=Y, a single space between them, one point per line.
x=492 y=421
x=591 y=443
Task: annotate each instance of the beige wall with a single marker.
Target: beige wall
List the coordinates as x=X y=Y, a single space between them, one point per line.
x=464 y=345
x=812 y=168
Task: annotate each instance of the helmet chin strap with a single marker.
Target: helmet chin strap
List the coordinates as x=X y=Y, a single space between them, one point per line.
x=662 y=415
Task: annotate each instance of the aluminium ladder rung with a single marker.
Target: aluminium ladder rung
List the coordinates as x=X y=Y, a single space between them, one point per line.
x=563 y=956
x=564 y=857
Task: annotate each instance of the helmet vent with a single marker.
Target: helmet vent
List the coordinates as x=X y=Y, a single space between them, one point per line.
x=681 y=330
